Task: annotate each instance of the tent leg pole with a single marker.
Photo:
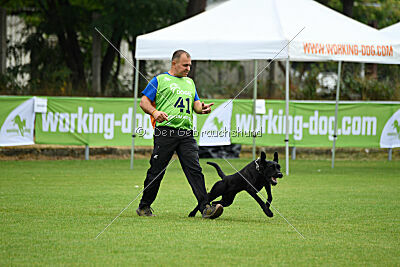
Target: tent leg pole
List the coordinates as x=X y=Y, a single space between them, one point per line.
x=362 y=72
x=390 y=154
x=135 y=93
x=287 y=117
x=336 y=114
x=254 y=109
x=86 y=152
x=293 y=153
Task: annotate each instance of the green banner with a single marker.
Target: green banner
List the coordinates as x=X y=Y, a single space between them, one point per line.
x=108 y=122
x=91 y=121
x=101 y=122
x=311 y=124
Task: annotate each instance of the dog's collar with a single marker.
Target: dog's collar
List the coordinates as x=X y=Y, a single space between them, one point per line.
x=257 y=165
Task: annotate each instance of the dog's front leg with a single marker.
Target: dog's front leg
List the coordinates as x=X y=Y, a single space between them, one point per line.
x=266 y=210
x=269 y=199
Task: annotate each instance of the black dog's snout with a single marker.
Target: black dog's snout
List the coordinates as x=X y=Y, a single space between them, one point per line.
x=280 y=175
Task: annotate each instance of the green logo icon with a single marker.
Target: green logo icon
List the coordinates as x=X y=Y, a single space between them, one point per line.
x=20 y=123
x=218 y=123
x=396 y=126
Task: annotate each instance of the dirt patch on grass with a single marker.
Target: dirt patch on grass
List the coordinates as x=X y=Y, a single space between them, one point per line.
x=56 y=152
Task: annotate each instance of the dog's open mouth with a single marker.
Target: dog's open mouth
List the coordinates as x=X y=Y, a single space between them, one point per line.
x=274 y=181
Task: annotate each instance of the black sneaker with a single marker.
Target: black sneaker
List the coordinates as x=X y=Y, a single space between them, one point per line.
x=145 y=211
x=212 y=212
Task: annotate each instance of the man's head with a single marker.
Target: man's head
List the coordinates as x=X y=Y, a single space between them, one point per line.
x=181 y=63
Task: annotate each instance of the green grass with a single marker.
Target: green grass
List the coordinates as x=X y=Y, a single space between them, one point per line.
x=51 y=212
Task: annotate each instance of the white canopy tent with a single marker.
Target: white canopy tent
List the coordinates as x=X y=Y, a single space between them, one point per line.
x=260 y=29
x=392 y=29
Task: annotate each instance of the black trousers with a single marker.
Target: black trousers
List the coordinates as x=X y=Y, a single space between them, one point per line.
x=166 y=141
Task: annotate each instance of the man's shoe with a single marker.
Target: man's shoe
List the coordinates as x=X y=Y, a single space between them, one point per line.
x=145 y=211
x=212 y=212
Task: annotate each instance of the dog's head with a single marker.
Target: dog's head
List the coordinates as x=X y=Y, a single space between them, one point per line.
x=271 y=170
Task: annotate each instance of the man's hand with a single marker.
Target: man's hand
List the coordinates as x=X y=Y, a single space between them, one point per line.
x=160 y=116
x=205 y=109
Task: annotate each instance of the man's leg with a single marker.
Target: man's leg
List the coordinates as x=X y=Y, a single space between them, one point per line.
x=188 y=153
x=164 y=148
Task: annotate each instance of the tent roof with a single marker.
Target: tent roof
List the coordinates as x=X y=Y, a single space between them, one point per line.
x=392 y=29
x=234 y=30
x=260 y=29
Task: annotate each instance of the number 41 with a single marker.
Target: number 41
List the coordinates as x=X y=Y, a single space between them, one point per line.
x=180 y=104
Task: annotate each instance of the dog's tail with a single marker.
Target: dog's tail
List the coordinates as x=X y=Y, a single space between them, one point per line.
x=219 y=171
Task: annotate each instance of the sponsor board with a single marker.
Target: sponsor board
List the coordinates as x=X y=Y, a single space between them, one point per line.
x=92 y=121
x=216 y=128
x=390 y=136
x=103 y=122
x=311 y=124
x=17 y=122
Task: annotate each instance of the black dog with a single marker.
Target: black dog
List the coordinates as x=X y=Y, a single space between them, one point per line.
x=252 y=178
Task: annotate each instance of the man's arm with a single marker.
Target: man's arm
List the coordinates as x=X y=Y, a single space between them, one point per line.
x=145 y=104
x=201 y=108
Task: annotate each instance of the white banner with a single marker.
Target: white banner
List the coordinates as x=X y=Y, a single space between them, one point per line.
x=17 y=128
x=216 y=130
x=390 y=136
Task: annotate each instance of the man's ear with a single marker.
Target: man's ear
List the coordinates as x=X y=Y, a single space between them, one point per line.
x=263 y=156
x=276 y=157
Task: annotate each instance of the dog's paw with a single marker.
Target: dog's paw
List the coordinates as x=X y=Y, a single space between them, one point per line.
x=269 y=213
x=192 y=214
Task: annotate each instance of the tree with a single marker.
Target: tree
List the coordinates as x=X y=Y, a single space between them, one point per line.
x=61 y=19
x=193 y=8
x=148 y=16
x=384 y=12
x=348 y=7
x=70 y=21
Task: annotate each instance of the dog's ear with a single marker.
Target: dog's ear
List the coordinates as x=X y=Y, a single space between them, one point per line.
x=263 y=156
x=276 y=157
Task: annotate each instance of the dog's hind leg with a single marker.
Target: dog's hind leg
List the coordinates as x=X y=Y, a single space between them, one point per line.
x=193 y=212
x=217 y=190
x=226 y=200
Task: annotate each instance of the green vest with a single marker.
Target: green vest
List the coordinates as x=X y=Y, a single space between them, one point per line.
x=175 y=96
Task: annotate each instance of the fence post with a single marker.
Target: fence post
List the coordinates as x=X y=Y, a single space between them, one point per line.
x=293 y=153
x=390 y=154
x=86 y=152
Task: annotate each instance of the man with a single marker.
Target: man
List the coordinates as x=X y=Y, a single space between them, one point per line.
x=170 y=99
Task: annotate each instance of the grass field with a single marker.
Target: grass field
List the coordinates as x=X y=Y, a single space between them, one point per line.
x=51 y=212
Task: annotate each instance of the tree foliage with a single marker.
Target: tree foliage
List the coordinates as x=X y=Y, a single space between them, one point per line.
x=59 y=41
x=377 y=13
x=59 y=34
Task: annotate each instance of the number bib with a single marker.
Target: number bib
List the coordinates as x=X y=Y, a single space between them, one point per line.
x=175 y=97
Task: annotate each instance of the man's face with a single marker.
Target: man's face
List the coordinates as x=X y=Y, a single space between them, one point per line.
x=182 y=65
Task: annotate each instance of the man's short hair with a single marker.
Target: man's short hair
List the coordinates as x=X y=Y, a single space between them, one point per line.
x=177 y=54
